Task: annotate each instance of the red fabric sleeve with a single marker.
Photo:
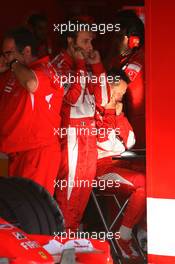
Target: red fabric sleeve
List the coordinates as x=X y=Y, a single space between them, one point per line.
x=108 y=120
x=73 y=90
x=98 y=68
x=3 y=78
x=124 y=128
x=46 y=81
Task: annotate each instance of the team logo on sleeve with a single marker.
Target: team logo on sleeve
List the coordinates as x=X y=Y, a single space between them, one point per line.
x=132 y=70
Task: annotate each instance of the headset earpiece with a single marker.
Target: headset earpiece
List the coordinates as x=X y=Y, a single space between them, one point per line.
x=133 y=42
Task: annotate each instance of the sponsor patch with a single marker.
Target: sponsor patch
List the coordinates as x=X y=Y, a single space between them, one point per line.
x=19 y=235
x=132 y=70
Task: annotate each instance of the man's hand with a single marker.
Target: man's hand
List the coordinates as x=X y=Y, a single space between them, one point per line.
x=25 y=76
x=9 y=56
x=118 y=90
x=77 y=53
x=110 y=105
x=94 y=57
x=3 y=66
x=119 y=108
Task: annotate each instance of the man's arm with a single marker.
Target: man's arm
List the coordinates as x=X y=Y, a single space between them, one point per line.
x=73 y=90
x=97 y=85
x=25 y=76
x=74 y=93
x=117 y=135
x=3 y=66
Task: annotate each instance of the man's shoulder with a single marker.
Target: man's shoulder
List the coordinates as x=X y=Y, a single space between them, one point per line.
x=5 y=77
x=62 y=61
x=40 y=64
x=138 y=56
x=43 y=68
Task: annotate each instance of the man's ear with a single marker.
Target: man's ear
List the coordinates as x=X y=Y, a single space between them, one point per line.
x=27 y=51
x=125 y=40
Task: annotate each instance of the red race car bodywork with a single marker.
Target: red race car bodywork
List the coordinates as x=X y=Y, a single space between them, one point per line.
x=20 y=248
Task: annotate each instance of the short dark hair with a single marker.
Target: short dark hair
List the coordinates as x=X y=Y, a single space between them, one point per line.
x=72 y=34
x=23 y=37
x=130 y=24
x=34 y=19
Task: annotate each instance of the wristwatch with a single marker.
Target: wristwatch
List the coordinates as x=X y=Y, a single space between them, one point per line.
x=12 y=63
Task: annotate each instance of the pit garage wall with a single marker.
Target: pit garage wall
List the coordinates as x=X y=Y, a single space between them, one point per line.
x=15 y=13
x=160 y=85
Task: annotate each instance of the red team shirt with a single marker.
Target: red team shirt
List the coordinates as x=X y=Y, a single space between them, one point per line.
x=133 y=66
x=136 y=96
x=27 y=120
x=79 y=98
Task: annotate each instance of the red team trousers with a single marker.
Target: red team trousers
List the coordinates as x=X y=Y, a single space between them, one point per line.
x=134 y=188
x=78 y=166
x=40 y=165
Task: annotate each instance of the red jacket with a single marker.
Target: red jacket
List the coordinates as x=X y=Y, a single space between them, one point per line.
x=136 y=96
x=133 y=66
x=115 y=134
x=79 y=95
x=27 y=120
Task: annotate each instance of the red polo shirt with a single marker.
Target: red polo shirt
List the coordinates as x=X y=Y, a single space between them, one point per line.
x=27 y=120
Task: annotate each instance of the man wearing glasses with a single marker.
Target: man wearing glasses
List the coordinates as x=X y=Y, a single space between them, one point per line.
x=29 y=109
